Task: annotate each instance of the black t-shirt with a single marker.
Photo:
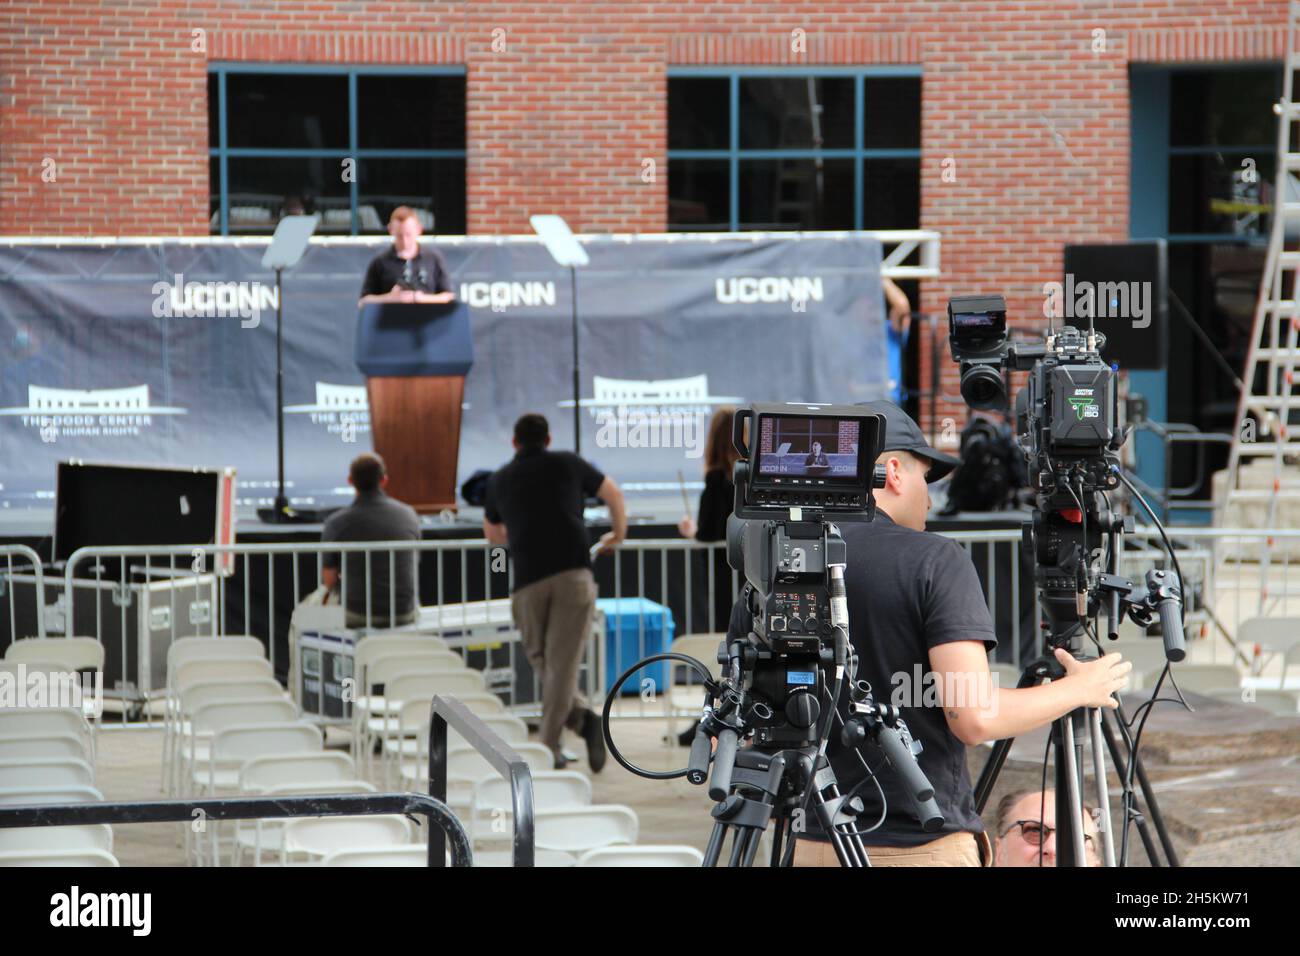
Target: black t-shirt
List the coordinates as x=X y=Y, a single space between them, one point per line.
x=716 y=502
x=908 y=591
x=426 y=272
x=539 y=497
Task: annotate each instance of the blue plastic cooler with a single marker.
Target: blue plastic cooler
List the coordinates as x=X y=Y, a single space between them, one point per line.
x=636 y=628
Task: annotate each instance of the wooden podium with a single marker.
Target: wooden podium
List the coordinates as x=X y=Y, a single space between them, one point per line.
x=415 y=358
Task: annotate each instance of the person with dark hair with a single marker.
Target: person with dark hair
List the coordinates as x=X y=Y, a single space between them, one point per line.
x=716 y=503
x=373 y=516
x=534 y=507
x=1024 y=830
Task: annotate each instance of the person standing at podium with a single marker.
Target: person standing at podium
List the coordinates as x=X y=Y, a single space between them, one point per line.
x=406 y=271
x=534 y=507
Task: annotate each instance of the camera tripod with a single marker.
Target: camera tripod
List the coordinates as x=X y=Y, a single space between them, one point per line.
x=1067 y=735
x=758 y=784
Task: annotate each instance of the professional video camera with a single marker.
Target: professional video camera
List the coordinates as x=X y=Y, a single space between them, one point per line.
x=803 y=468
x=1067 y=424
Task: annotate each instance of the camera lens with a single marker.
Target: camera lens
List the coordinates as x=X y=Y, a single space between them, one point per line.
x=982 y=387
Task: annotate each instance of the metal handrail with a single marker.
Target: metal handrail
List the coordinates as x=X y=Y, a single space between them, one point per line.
x=448 y=712
x=38 y=573
x=253 y=808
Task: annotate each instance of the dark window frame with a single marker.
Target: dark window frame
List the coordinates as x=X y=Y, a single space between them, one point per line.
x=222 y=152
x=734 y=154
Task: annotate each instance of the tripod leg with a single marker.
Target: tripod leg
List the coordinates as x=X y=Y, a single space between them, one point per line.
x=989 y=775
x=739 y=845
x=714 y=850
x=1069 y=803
x=1103 y=791
x=1117 y=758
x=1153 y=809
x=778 y=836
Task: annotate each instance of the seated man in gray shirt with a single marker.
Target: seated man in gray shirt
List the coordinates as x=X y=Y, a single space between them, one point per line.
x=374 y=516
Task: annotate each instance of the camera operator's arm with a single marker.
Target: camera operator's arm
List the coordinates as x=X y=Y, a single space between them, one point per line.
x=959 y=634
x=996 y=713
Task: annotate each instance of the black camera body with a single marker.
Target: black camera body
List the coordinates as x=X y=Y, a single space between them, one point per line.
x=1066 y=416
x=803 y=467
x=1067 y=425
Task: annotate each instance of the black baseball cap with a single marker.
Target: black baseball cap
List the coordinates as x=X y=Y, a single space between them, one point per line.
x=903 y=434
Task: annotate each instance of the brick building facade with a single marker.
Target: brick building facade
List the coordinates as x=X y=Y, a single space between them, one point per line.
x=104 y=115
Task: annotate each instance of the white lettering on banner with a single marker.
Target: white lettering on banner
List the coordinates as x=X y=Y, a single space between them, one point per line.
x=747 y=290
x=213 y=300
x=499 y=296
x=96 y=412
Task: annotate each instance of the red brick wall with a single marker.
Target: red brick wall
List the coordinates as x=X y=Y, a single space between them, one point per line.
x=562 y=118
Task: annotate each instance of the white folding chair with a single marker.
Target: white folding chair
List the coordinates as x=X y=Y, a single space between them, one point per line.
x=24 y=746
x=233 y=747
x=213 y=717
x=46 y=772
x=1274 y=636
x=93 y=836
x=261 y=838
x=21 y=796
x=316 y=837
x=579 y=829
x=552 y=790
x=550 y=859
x=642 y=856
x=45 y=721
x=176 y=726
x=63 y=858
x=76 y=653
x=410 y=855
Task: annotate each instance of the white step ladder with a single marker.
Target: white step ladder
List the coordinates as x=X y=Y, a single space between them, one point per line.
x=1268 y=410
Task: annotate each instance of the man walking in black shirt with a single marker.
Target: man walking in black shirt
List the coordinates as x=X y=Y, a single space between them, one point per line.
x=534 y=505
x=921 y=629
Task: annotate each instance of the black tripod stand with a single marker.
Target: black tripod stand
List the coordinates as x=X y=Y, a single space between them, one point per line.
x=1160 y=598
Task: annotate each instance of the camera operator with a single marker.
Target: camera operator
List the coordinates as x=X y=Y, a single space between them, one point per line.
x=915 y=602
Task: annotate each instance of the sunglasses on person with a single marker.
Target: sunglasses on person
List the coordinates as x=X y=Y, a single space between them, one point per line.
x=1036 y=833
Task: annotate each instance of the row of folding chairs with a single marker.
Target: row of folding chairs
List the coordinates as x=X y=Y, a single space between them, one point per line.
x=47 y=755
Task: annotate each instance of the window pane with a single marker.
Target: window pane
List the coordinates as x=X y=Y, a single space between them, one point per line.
x=891 y=111
x=796 y=194
x=891 y=194
x=287 y=111
x=796 y=112
x=698 y=113
x=698 y=195
x=263 y=189
x=434 y=188
x=214 y=113
x=411 y=112
x=1208 y=194
x=1223 y=108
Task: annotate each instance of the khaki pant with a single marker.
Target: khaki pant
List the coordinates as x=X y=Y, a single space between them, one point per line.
x=955 y=849
x=554 y=618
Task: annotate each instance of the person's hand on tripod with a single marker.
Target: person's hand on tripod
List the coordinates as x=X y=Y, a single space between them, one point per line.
x=1098 y=680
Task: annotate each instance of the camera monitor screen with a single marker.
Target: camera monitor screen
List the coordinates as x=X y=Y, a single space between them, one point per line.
x=807 y=450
